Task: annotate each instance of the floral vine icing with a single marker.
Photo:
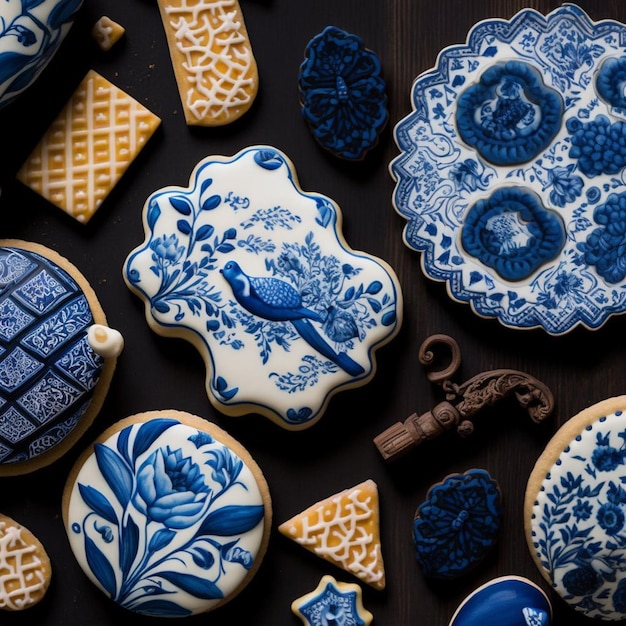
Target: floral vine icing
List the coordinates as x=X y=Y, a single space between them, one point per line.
x=578 y=520
x=256 y=273
x=48 y=365
x=31 y=31
x=165 y=519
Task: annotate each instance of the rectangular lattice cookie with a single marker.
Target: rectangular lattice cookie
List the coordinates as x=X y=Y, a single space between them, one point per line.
x=88 y=147
x=215 y=69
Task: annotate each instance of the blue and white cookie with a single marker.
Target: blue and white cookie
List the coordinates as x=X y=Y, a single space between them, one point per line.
x=256 y=274
x=167 y=514
x=57 y=356
x=575 y=511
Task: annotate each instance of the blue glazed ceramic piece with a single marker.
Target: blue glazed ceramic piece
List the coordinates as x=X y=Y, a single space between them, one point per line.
x=509 y=601
x=167 y=514
x=458 y=524
x=575 y=511
x=509 y=116
x=31 y=31
x=332 y=603
x=474 y=133
x=256 y=274
x=342 y=93
x=53 y=371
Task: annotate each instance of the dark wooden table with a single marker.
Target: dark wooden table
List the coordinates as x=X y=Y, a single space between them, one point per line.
x=581 y=368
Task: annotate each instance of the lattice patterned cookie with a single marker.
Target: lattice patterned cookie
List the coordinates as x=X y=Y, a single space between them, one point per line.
x=25 y=569
x=88 y=147
x=212 y=58
x=343 y=529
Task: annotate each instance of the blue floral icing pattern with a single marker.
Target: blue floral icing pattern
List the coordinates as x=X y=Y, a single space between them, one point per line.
x=578 y=531
x=342 y=93
x=511 y=232
x=166 y=519
x=611 y=82
x=257 y=272
x=457 y=524
x=442 y=172
x=48 y=370
x=509 y=116
x=30 y=33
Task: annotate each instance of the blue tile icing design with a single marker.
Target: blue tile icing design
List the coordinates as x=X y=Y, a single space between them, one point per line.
x=516 y=601
x=47 y=368
x=474 y=114
x=342 y=93
x=577 y=519
x=31 y=31
x=332 y=603
x=165 y=516
x=611 y=82
x=512 y=233
x=255 y=272
x=458 y=524
x=510 y=115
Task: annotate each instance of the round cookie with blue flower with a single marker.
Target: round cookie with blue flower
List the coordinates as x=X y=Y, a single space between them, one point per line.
x=575 y=511
x=167 y=514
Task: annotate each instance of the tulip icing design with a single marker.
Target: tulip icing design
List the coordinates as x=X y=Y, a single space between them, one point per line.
x=576 y=511
x=245 y=263
x=30 y=34
x=516 y=601
x=165 y=517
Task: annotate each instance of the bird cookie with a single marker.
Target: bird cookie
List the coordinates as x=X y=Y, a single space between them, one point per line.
x=255 y=273
x=57 y=356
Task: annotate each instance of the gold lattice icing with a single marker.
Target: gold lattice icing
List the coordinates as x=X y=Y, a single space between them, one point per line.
x=88 y=147
x=107 y=33
x=212 y=57
x=344 y=529
x=24 y=567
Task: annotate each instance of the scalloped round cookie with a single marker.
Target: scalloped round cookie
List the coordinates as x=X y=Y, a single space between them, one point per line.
x=57 y=356
x=575 y=511
x=167 y=514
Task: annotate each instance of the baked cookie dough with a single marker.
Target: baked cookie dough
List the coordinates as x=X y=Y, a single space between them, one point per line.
x=167 y=514
x=25 y=569
x=57 y=356
x=575 y=511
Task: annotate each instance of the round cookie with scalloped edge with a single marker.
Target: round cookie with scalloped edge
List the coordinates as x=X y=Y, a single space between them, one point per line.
x=57 y=356
x=575 y=511
x=167 y=514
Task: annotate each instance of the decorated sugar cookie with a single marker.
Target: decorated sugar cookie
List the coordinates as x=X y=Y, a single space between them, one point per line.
x=25 y=569
x=215 y=69
x=342 y=93
x=30 y=35
x=57 y=356
x=167 y=514
x=575 y=511
x=343 y=529
x=256 y=274
x=331 y=603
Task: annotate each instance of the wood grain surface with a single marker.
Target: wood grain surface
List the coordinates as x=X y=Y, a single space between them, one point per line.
x=581 y=368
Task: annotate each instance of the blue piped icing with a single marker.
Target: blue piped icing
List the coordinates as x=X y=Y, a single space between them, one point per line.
x=47 y=368
x=510 y=115
x=611 y=81
x=512 y=232
x=342 y=93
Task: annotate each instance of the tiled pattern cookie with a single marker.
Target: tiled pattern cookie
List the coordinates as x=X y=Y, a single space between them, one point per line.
x=332 y=603
x=57 y=356
x=212 y=58
x=25 y=569
x=575 y=511
x=256 y=274
x=343 y=529
x=167 y=514
x=88 y=147
x=30 y=33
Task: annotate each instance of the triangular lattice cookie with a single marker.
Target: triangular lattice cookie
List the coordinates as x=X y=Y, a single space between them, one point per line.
x=344 y=529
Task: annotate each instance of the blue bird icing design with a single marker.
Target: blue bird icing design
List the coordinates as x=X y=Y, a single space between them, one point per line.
x=276 y=300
